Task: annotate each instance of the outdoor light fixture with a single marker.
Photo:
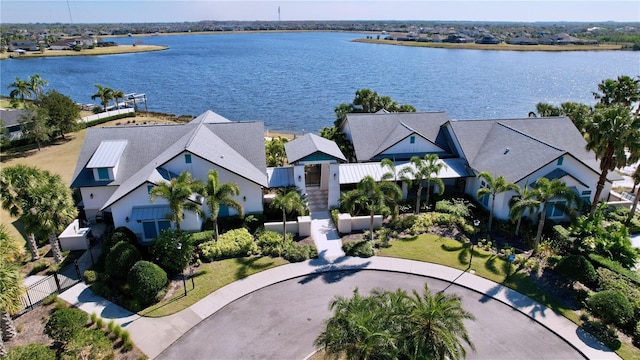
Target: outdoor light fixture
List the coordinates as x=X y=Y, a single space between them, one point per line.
x=126 y=219
x=299 y=178
x=179 y=246
x=91 y=196
x=335 y=176
x=244 y=198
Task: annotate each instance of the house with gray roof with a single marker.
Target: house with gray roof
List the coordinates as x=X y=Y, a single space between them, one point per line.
x=118 y=166
x=521 y=150
x=11 y=121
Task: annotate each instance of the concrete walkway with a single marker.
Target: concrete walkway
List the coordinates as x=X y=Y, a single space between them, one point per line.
x=325 y=236
x=153 y=335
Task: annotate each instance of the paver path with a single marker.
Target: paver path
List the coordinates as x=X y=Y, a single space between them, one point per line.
x=325 y=235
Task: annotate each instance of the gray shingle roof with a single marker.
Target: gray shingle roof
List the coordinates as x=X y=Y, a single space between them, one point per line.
x=209 y=117
x=373 y=133
x=235 y=146
x=11 y=117
x=309 y=144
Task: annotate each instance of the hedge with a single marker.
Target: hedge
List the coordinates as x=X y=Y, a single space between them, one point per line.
x=64 y=324
x=616 y=267
x=120 y=260
x=234 y=243
x=272 y=244
x=611 y=306
x=577 y=268
x=146 y=280
x=105 y=120
x=362 y=248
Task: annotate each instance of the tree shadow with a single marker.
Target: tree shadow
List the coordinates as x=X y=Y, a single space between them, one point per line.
x=332 y=272
x=492 y=265
x=516 y=300
x=248 y=266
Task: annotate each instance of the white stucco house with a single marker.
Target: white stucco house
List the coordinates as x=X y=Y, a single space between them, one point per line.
x=118 y=166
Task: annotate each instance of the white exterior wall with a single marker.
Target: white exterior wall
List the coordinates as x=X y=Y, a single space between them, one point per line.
x=299 y=178
x=199 y=169
x=420 y=145
x=334 y=186
x=100 y=196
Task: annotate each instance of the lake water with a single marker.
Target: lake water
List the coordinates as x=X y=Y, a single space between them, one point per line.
x=293 y=81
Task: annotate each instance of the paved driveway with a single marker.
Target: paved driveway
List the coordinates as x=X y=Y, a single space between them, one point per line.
x=281 y=321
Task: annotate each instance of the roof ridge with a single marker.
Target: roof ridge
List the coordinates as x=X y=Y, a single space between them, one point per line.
x=194 y=133
x=529 y=136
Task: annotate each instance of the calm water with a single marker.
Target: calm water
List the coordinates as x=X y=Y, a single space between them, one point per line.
x=293 y=81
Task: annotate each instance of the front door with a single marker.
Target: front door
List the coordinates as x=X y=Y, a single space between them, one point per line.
x=312 y=175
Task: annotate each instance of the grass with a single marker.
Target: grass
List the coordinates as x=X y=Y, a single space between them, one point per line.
x=208 y=278
x=502 y=46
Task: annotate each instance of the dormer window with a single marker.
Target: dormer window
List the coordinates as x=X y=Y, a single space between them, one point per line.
x=103 y=174
x=187 y=158
x=105 y=160
x=412 y=140
x=560 y=160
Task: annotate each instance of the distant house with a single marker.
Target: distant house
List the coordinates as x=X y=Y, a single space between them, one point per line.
x=118 y=166
x=24 y=45
x=488 y=39
x=11 y=121
x=61 y=45
x=565 y=39
x=522 y=41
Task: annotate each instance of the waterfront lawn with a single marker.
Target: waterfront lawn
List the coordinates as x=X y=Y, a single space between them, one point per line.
x=452 y=253
x=208 y=278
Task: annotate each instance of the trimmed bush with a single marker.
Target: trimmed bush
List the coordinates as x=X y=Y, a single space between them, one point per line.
x=200 y=237
x=64 y=324
x=30 y=352
x=146 y=280
x=90 y=276
x=611 y=306
x=234 y=243
x=110 y=241
x=362 y=248
x=131 y=236
x=120 y=260
x=88 y=344
x=168 y=256
x=296 y=253
x=577 y=268
x=272 y=244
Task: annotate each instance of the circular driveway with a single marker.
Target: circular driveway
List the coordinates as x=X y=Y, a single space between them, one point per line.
x=281 y=321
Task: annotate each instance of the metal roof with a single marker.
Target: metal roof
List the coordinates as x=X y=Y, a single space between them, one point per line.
x=152 y=212
x=309 y=144
x=354 y=172
x=280 y=176
x=107 y=154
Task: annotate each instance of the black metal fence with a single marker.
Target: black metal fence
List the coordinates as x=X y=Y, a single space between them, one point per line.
x=52 y=284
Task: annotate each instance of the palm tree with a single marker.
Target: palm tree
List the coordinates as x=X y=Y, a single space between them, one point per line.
x=435 y=326
x=373 y=197
x=493 y=187
x=289 y=200
x=614 y=135
x=624 y=91
x=423 y=170
x=15 y=185
x=390 y=175
x=53 y=209
x=178 y=192
x=276 y=155
x=11 y=287
x=636 y=180
x=36 y=83
x=545 y=190
x=105 y=94
x=21 y=88
x=118 y=94
x=218 y=194
x=545 y=110
x=521 y=203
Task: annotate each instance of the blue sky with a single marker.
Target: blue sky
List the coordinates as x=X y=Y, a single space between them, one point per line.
x=115 y=11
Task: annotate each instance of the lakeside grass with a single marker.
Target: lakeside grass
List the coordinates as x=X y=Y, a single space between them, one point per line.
x=110 y=50
x=208 y=278
x=496 y=47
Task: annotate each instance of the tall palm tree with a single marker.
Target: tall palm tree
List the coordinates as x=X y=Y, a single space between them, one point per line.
x=373 y=197
x=636 y=180
x=521 y=203
x=289 y=200
x=494 y=186
x=545 y=110
x=11 y=287
x=21 y=88
x=218 y=194
x=53 y=209
x=118 y=94
x=624 y=91
x=614 y=136
x=391 y=175
x=105 y=95
x=15 y=185
x=179 y=193
x=36 y=83
x=545 y=190
x=435 y=326
x=424 y=170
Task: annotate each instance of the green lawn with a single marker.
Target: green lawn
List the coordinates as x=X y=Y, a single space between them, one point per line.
x=208 y=278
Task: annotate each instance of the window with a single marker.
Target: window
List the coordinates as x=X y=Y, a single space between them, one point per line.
x=412 y=140
x=103 y=174
x=187 y=158
x=560 y=160
x=553 y=208
x=150 y=231
x=149 y=188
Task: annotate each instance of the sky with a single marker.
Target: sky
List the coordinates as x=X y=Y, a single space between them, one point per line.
x=141 y=11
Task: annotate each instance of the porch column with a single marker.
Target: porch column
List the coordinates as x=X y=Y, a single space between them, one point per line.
x=299 y=178
x=334 y=185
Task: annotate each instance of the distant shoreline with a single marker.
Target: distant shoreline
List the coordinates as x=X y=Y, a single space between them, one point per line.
x=110 y=50
x=495 y=47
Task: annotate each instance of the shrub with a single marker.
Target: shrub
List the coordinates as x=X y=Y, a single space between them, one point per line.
x=109 y=241
x=611 y=306
x=30 y=352
x=49 y=299
x=90 y=276
x=120 y=259
x=65 y=324
x=200 y=237
x=577 y=268
x=272 y=244
x=362 y=248
x=605 y=334
x=168 y=256
x=405 y=222
x=88 y=344
x=615 y=267
x=457 y=207
x=131 y=236
x=233 y=243
x=146 y=280
x=110 y=325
